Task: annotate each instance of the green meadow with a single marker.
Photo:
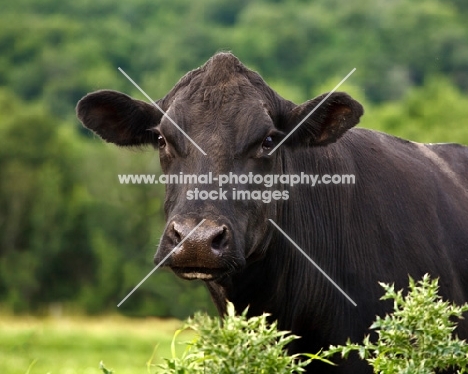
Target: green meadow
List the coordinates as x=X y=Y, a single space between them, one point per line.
x=77 y=345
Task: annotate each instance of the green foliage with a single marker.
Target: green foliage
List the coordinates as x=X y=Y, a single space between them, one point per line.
x=236 y=344
x=430 y=113
x=417 y=337
x=104 y=369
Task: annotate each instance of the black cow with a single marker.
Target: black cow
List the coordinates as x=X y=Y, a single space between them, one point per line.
x=406 y=214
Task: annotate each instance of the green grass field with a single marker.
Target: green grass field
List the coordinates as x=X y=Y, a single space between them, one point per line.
x=77 y=345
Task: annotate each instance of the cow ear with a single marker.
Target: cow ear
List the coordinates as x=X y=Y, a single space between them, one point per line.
x=328 y=121
x=118 y=118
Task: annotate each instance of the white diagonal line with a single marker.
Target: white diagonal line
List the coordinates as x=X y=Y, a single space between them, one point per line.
x=313 y=262
x=163 y=112
x=312 y=111
x=164 y=259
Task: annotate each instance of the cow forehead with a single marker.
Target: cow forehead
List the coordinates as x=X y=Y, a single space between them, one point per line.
x=231 y=126
x=221 y=102
x=229 y=107
x=221 y=83
x=221 y=69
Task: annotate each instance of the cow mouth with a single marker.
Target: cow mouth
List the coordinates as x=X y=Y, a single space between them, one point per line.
x=205 y=274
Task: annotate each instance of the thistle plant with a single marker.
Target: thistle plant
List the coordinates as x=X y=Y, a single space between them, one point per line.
x=418 y=337
x=236 y=344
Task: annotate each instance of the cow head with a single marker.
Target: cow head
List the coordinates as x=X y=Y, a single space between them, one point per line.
x=236 y=119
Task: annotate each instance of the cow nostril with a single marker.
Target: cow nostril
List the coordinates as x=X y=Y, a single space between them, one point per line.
x=219 y=240
x=177 y=237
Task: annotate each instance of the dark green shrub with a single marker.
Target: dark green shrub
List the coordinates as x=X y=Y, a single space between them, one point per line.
x=417 y=337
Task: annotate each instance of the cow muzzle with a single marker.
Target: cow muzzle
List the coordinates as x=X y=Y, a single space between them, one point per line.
x=202 y=254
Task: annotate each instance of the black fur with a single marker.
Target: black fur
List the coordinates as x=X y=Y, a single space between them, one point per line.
x=406 y=215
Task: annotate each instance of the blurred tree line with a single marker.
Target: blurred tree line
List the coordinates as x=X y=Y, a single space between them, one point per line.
x=69 y=232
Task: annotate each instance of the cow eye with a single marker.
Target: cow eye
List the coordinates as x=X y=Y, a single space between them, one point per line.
x=268 y=143
x=161 y=141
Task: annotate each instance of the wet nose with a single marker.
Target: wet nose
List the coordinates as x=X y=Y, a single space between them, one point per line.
x=197 y=247
x=209 y=237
